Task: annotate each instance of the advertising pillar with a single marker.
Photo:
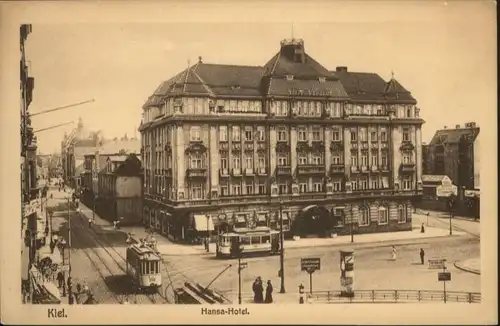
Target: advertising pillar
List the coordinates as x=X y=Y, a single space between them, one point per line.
x=347 y=272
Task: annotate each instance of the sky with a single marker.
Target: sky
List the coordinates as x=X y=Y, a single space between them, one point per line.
x=446 y=62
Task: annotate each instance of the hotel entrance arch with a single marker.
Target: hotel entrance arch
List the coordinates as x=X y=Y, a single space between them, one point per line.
x=314 y=220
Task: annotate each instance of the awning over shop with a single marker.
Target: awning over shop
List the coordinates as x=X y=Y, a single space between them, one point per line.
x=201 y=222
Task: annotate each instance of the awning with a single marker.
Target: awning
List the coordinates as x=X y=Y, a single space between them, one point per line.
x=202 y=221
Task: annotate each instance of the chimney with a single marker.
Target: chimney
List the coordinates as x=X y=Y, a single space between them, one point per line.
x=341 y=69
x=200 y=59
x=457 y=126
x=445 y=127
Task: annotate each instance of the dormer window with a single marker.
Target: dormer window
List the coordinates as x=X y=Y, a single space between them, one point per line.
x=289 y=77
x=322 y=79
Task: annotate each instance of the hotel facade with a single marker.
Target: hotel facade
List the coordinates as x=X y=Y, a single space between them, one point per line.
x=227 y=145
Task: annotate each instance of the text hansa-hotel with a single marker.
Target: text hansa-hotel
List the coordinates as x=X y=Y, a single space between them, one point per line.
x=228 y=144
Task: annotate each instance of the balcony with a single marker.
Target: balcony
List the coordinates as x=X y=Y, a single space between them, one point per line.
x=167 y=173
x=336 y=146
x=407 y=167
x=236 y=147
x=374 y=168
x=311 y=170
x=364 y=145
x=261 y=171
x=224 y=172
x=384 y=168
x=284 y=170
x=197 y=173
x=374 y=145
x=406 y=146
x=249 y=172
x=354 y=145
x=337 y=169
x=354 y=169
x=248 y=147
x=223 y=146
x=236 y=172
x=364 y=169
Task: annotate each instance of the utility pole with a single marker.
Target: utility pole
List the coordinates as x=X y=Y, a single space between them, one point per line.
x=282 y=250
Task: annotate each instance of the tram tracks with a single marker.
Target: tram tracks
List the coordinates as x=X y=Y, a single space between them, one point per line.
x=110 y=262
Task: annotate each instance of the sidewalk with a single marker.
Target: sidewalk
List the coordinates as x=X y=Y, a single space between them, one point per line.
x=472 y=265
x=439 y=214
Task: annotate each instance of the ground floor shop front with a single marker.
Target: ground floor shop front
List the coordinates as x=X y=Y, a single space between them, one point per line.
x=187 y=224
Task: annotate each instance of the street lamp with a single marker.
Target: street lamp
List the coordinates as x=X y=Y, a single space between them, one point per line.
x=282 y=250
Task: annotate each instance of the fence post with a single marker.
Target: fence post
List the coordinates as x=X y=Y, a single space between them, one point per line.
x=470 y=297
x=419 y=296
x=373 y=295
x=328 y=296
x=396 y=295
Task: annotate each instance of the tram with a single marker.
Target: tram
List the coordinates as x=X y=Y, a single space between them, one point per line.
x=144 y=267
x=259 y=240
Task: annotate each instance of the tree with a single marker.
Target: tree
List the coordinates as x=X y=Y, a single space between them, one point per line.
x=122 y=152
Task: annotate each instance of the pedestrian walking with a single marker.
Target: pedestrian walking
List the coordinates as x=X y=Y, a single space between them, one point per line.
x=301 y=293
x=394 y=253
x=269 y=292
x=60 y=279
x=90 y=222
x=422 y=255
x=422 y=228
x=260 y=290
x=255 y=290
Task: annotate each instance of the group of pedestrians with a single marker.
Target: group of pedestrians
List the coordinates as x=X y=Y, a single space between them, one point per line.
x=258 y=291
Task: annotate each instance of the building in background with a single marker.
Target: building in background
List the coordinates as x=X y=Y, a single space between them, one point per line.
x=339 y=151
x=120 y=189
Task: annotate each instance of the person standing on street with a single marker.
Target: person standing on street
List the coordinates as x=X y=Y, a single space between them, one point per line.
x=269 y=292
x=60 y=279
x=422 y=255
x=90 y=222
x=394 y=253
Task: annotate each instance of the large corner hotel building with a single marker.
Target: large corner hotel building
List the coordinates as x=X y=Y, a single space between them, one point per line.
x=226 y=145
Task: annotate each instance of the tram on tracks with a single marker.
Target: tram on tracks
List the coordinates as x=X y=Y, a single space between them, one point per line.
x=144 y=267
x=262 y=240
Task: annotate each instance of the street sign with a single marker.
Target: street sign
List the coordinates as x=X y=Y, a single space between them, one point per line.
x=243 y=265
x=444 y=276
x=310 y=264
x=437 y=263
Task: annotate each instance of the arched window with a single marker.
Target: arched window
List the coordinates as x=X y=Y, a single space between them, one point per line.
x=364 y=215
x=402 y=214
x=383 y=215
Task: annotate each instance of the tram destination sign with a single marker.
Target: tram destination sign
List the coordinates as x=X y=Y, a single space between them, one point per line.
x=310 y=264
x=444 y=276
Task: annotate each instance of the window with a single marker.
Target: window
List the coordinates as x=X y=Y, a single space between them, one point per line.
x=318 y=108
x=336 y=135
x=318 y=187
x=335 y=109
x=383 y=135
x=302 y=134
x=336 y=158
x=261 y=134
x=407 y=183
x=354 y=161
x=316 y=134
x=196 y=162
x=249 y=162
x=236 y=190
x=364 y=159
x=401 y=214
x=374 y=158
x=282 y=160
x=283 y=188
x=236 y=163
x=300 y=108
x=384 y=159
x=407 y=158
x=385 y=182
x=408 y=112
x=262 y=187
x=196 y=191
x=302 y=160
x=362 y=134
x=374 y=183
x=303 y=187
x=282 y=134
x=262 y=162
x=406 y=134
x=248 y=134
x=364 y=216
x=316 y=159
x=363 y=184
x=224 y=190
x=337 y=185
x=380 y=111
x=195 y=133
x=354 y=184
x=223 y=163
x=383 y=215
x=373 y=136
x=354 y=135
x=249 y=188
x=236 y=133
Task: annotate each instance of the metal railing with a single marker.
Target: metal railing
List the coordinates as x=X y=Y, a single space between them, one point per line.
x=375 y=296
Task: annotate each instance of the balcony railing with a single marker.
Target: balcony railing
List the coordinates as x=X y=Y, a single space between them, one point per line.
x=262 y=171
x=364 y=168
x=249 y=172
x=354 y=169
x=337 y=169
x=197 y=173
x=236 y=171
x=311 y=169
x=374 y=168
x=168 y=173
x=407 y=167
x=384 y=168
x=284 y=170
x=224 y=172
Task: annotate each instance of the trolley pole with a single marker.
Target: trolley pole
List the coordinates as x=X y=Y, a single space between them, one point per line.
x=239 y=278
x=282 y=250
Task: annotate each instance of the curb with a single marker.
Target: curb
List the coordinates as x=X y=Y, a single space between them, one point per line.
x=466 y=269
